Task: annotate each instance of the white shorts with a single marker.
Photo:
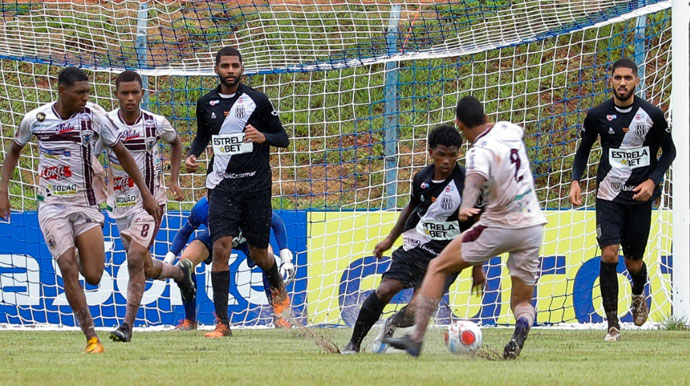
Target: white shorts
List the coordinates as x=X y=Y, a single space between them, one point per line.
x=481 y=243
x=140 y=227
x=61 y=224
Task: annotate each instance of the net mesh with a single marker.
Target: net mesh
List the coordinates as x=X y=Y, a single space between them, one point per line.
x=358 y=86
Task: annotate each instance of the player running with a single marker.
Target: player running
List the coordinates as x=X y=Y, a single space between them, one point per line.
x=200 y=249
x=140 y=131
x=512 y=222
x=70 y=132
x=628 y=180
x=427 y=223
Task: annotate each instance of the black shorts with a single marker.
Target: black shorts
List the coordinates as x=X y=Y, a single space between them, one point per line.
x=409 y=268
x=228 y=212
x=626 y=225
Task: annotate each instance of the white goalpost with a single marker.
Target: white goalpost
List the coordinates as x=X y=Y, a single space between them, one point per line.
x=358 y=85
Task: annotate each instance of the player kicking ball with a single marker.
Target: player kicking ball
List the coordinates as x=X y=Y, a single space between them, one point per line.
x=140 y=131
x=70 y=131
x=427 y=223
x=201 y=247
x=512 y=222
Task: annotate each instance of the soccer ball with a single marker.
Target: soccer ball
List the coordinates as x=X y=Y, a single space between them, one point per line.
x=463 y=337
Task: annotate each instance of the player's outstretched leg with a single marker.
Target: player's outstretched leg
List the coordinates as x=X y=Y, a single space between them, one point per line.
x=406 y=343
x=514 y=346
x=189 y=323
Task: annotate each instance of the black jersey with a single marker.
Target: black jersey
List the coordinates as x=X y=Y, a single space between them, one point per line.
x=433 y=221
x=240 y=167
x=630 y=142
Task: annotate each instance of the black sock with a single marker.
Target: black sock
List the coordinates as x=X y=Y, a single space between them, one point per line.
x=608 y=283
x=403 y=318
x=639 y=279
x=368 y=315
x=273 y=276
x=221 y=285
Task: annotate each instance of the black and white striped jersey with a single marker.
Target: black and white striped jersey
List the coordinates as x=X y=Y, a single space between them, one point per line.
x=630 y=141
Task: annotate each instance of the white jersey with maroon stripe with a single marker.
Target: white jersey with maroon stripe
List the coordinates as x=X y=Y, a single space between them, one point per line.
x=67 y=151
x=499 y=155
x=141 y=140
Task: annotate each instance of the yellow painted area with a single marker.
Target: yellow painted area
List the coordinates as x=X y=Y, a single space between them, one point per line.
x=337 y=239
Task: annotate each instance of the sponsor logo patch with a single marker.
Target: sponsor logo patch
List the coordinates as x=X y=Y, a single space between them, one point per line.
x=56 y=172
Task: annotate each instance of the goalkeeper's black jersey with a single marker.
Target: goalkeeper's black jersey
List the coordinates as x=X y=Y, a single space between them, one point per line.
x=433 y=221
x=630 y=141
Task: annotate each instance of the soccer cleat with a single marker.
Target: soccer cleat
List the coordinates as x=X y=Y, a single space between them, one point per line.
x=514 y=346
x=350 y=348
x=187 y=288
x=640 y=311
x=405 y=343
x=220 y=331
x=280 y=300
x=122 y=334
x=280 y=322
x=386 y=332
x=613 y=335
x=93 y=346
x=187 y=325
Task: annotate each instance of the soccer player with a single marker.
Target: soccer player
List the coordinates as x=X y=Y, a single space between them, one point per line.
x=628 y=180
x=70 y=132
x=140 y=131
x=427 y=223
x=242 y=125
x=512 y=222
x=200 y=249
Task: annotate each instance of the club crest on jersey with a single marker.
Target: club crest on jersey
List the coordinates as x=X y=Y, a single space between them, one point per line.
x=239 y=112
x=86 y=136
x=213 y=102
x=41 y=117
x=150 y=144
x=447 y=203
x=611 y=117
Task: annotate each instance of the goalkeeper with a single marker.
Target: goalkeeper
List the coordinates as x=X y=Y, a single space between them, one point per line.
x=199 y=249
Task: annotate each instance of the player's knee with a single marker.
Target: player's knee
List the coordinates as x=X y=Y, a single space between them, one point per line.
x=93 y=276
x=633 y=265
x=609 y=255
x=387 y=289
x=135 y=259
x=221 y=250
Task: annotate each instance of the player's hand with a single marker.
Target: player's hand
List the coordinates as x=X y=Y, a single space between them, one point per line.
x=251 y=134
x=152 y=207
x=478 y=280
x=176 y=190
x=190 y=163
x=574 y=195
x=644 y=191
x=4 y=206
x=381 y=247
x=465 y=213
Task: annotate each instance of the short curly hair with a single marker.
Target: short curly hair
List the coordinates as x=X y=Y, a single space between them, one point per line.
x=446 y=135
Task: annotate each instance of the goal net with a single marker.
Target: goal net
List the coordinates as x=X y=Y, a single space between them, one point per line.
x=358 y=85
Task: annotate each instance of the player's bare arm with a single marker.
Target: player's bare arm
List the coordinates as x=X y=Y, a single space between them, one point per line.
x=387 y=243
x=175 y=156
x=7 y=169
x=574 y=196
x=473 y=188
x=129 y=165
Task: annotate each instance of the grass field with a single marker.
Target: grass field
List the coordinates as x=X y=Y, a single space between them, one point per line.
x=285 y=357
